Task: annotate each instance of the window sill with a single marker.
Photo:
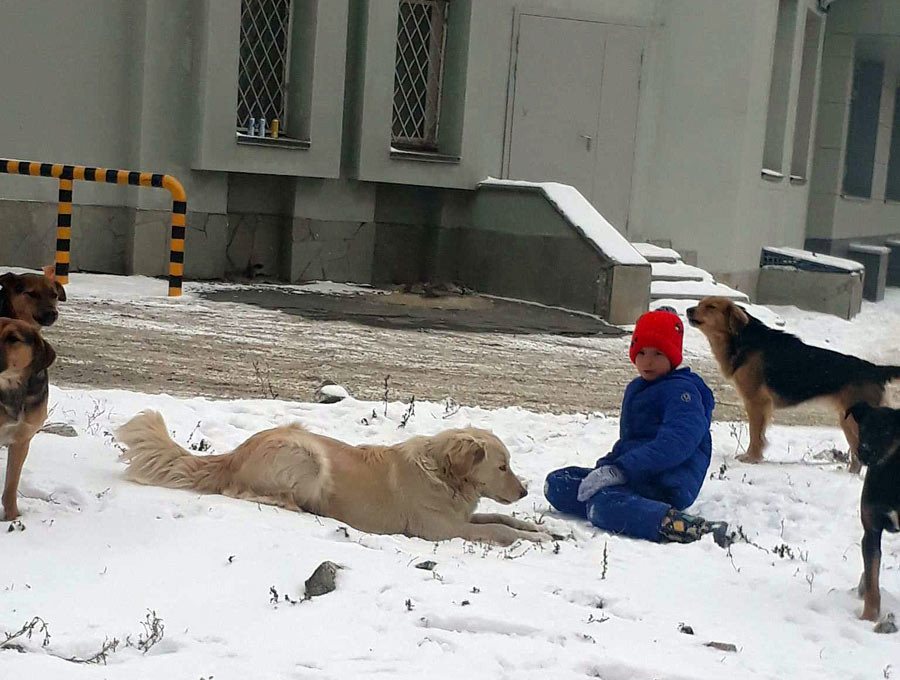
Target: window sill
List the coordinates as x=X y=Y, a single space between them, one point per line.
x=797 y=180
x=424 y=156
x=856 y=199
x=274 y=142
x=771 y=175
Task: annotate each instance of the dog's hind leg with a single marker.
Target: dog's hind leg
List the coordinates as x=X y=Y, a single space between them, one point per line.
x=851 y=432
x=759 y=412
x=285 y=501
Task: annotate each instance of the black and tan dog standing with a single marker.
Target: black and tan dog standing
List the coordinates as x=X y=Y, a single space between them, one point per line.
x=772 y=369
x=24 y=392
x=879 y=508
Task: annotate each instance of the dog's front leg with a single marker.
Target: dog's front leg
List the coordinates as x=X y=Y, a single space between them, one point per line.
x=497 y=518
x=18 y=451
x=758 y=415
x=500 y=534
x=871 y=552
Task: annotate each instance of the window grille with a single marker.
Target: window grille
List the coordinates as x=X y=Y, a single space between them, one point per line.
x=417 y=73
x=263 y=62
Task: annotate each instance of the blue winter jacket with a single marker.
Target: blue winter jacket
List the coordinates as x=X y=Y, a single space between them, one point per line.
x=664 y=442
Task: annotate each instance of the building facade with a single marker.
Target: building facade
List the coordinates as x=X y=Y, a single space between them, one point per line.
x=714 y=126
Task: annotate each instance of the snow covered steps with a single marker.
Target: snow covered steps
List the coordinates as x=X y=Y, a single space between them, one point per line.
x=672 y=279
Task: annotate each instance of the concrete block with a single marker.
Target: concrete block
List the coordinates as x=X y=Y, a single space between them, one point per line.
x=256 y=245
x=629 y=294
x=829 y=292
x=29 y=233
x=333 y=251
x=875 y=260
x=206 y=241
x=893 y=270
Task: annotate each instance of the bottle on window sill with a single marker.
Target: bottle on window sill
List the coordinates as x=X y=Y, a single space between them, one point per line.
x=261 y=132
x=251 y=126
x=274 y=128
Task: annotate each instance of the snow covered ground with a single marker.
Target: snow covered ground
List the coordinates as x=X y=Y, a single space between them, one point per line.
x=96 y=557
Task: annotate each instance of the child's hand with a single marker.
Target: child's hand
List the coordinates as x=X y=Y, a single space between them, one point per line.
x=602 y=477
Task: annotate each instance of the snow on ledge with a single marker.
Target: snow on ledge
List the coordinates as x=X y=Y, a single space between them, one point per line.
x=582 y=216
x=830 y=260
x=868 y=248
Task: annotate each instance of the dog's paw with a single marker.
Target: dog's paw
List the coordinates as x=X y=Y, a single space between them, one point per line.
x=537 y=536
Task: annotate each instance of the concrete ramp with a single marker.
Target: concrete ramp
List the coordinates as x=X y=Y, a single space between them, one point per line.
x=545 y=242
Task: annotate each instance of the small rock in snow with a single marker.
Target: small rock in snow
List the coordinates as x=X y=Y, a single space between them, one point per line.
x=322 y=580
x=330 y=393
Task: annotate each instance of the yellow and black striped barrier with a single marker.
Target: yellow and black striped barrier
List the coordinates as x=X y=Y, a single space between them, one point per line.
x=66 y=174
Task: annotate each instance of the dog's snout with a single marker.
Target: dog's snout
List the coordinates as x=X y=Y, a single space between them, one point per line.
x=49 y=317
x=518 y=489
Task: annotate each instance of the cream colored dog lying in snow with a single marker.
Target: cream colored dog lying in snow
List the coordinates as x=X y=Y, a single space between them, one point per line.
x=426 y=486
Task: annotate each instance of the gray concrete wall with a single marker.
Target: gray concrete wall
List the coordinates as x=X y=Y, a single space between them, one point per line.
x=856 y=30
x=519 y=245
x=698 y=180
x=170 y=107
x=322 y=73
x=166 y=103
x=479 y=119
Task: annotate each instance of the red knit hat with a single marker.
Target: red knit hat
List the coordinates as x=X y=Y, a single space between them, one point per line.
x=662 y=330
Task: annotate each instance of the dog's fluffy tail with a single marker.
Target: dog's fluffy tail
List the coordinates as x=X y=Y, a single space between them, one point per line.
x=155 y=459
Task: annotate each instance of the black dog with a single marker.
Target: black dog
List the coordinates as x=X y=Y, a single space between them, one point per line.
x=879 y=449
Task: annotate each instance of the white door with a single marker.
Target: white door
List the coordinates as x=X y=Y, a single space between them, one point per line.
x=574 y=113
x=618 y=124
x=559 y=67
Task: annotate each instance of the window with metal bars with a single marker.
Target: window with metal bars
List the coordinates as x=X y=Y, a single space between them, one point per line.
x=418 y=70
x=263 y=66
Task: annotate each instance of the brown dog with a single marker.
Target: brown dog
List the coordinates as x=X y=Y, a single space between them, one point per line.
x=426 y=486
x=773 y=369
x=24 y=390
x=30 y=297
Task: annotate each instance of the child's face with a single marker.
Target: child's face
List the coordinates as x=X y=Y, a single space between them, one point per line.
x=651 y=363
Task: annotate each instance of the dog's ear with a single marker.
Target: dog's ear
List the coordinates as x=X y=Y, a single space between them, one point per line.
x=737 y=319
x=44 y=354
x=859 y=411
x=60 y=291
x=12 y=282
x=464 y=454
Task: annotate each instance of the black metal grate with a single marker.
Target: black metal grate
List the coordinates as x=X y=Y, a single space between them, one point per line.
x=417 y=73
x=263 y=61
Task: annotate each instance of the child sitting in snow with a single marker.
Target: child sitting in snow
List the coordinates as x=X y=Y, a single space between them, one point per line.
x=658 y=465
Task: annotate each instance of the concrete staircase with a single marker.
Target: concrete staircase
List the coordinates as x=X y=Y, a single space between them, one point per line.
x=672 y=279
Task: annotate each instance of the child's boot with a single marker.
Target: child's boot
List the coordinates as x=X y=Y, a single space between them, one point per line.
x=680 y=527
